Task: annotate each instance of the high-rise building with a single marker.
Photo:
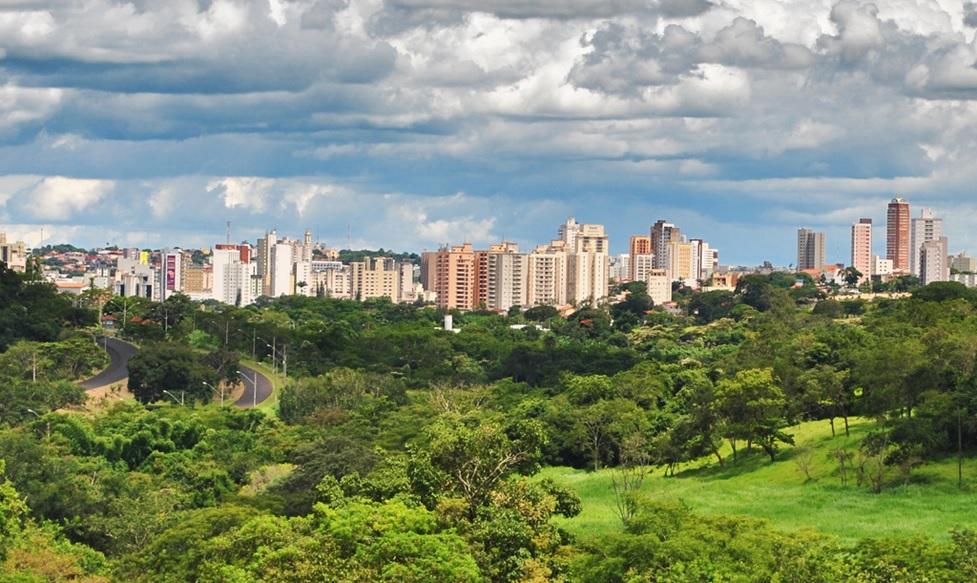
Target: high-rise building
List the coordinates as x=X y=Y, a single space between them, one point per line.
x=662 y=234
x=619 y=267
x=641 y=265
x=280 y=269
x=13 y=254
x=567 y=232
x=331 y=279
x=235 y=277
x=659 y=286
x=963 y=263
x=861 y=248
x=133 y=278
x=682 y=260
x=810 y=249
x=588 y=264
x=897 y=234
x=708 y=260
x=925 y=228
x=170 y=274
x=375 y=277
x=263 y=261
x=640 y=245
x=547 y=275
x=933 y=265
x=508 y=276
x=454 y=276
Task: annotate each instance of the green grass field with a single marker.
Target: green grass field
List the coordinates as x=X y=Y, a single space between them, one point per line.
x=782 y=494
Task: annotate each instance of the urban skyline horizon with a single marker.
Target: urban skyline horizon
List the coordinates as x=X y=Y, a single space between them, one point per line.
x=838 y=240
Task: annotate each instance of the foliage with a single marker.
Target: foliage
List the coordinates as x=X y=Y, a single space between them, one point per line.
x=162 y=371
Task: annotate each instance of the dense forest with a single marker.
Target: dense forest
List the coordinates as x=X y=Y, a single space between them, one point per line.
x=398 y=451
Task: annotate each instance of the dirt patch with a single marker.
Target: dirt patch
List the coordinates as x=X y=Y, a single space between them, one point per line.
x=105 y=396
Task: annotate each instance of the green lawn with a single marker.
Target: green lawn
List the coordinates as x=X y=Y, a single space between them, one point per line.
x=781 y=492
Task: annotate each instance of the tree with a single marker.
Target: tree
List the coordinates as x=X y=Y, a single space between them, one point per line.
x=170 y=367
x=851 y=276
x=752 y=406
x=637 y=302
x=11 y=510
x=475 y=455
x=941 y=291
x=541 y=313
x=712 y=305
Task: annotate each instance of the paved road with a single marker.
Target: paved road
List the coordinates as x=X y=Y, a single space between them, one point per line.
x=118 y=370
x=255 y=393
x=120 y=352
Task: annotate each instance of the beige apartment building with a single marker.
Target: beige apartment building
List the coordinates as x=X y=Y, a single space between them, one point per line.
x=548 y=275
x=681 y=261
x=659 y=286
x=375 y=277
x=13 y=254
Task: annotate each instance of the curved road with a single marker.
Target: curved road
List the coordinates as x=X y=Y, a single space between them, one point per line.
x=120 y=352
x=257 y=387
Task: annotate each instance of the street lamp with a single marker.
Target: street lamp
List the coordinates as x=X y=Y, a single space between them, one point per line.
x=254 y=387
x=180 y=400
x=274 y=352
x=274 y=356
x=38 y=415
x=254 y=336
x=220 y=392
x=125 y=307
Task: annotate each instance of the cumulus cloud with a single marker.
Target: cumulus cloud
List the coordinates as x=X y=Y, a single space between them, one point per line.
x=57 y=198
x=323 y=113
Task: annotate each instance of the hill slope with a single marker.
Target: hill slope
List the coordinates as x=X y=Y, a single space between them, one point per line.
x=781 y=492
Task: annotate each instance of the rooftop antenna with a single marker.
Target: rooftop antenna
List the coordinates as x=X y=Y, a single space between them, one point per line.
x=228 y=232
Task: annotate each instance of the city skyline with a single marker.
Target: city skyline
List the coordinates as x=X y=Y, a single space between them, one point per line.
x=414 y=123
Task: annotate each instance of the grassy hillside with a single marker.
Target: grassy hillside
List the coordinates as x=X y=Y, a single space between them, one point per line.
x=781 y=492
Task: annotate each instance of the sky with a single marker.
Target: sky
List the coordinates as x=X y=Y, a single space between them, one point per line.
x=410 y=124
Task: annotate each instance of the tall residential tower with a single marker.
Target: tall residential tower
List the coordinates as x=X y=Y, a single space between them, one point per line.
x=810 y=249
x=897 y=234
x=925 y=228
x=861 y=248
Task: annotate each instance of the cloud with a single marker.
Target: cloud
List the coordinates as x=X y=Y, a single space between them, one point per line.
x=247 y=192
x=320 y=114
x=58 y=198
x=21 y=107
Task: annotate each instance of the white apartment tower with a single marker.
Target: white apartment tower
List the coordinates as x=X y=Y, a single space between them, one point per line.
x=547 y=275
x=932 y=261
x=508 y=275
x=641 y=265
x=234 y=276
x=925 y=228
x=280 y=270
